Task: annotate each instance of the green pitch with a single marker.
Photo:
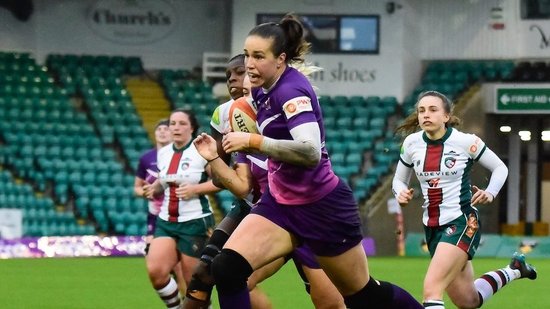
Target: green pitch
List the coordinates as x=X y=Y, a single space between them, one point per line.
x=81 y=283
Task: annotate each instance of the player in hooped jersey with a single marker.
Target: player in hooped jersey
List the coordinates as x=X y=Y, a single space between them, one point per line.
x=441 y=157
x=305 y=202
x=147 y=173
x=185 y=220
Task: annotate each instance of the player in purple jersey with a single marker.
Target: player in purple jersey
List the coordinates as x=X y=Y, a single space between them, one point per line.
x=305 y=203
x=442 y=157
x=147 y=173
x=247 y=181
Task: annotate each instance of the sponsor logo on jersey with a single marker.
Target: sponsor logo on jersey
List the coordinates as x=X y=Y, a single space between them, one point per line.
x=297 y=105
x=473 y=148
x=438 y=173
x=450 y=162
x=433 y=182
x=473 y=225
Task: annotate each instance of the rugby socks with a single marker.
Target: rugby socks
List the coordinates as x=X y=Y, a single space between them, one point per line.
x=434 y=304
x=170 y=294
x=491 y=282
x=238 y=300
x=231 y=271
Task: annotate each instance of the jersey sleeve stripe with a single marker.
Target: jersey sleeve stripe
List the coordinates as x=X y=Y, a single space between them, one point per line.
x=405 y=163
x=480 y=153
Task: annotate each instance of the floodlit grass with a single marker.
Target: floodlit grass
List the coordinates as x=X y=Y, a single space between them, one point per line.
x=122 y=283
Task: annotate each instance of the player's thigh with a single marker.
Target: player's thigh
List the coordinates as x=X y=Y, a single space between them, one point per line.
x=348 y=271
x=188 y=264
x=162 y=255
x=324 y=294
x=260 y=241
x=446 y=264
x=462 y=290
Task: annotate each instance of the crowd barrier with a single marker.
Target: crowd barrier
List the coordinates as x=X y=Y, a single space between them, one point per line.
x=491 y=245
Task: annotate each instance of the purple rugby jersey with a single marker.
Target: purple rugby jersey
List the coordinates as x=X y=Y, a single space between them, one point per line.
x=148 y=171
x=290 y=103
x=258 y=168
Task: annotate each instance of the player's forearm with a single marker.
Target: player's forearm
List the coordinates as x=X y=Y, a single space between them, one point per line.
x=295 y=152
x=229 y=178
x=205 y=188
x=304 y=149
x=401 y=179
x=499 y=171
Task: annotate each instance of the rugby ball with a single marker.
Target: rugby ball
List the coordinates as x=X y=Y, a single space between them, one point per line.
x=242 y=116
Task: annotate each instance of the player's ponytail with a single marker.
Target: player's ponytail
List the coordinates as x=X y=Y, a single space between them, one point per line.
x=295 y=47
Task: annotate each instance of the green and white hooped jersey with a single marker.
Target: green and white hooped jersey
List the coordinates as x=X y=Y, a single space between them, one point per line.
x=443 y=170
x=181 y=166
x=220 y=117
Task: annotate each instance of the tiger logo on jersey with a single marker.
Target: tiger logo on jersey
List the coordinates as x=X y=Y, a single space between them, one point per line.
x=450 y=230
x=450 y=162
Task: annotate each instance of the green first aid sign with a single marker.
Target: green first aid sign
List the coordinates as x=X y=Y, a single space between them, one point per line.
x=523 y=99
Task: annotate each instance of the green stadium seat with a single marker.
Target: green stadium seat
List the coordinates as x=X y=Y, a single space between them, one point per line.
x=357 y=101
x=343 y=123
x=354 y=159
x=340 y=101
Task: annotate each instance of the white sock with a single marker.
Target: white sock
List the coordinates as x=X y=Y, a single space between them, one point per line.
x=170 y=294
x=433 y=304
x=491 y=282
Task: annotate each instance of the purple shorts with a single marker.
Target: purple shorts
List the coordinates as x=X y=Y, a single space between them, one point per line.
x=329 y=226
x=151 y=223
x=302 y=255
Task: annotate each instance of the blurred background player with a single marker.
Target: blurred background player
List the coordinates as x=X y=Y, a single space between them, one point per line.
x=185 y=220
x=147 y=173
x=305 y=202
x=441 y=157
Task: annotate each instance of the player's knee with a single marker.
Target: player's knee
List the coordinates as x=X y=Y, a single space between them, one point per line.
x=375 y=294
x=201 y=284
x=209 y=253
x=231 y=271
x=202 y=277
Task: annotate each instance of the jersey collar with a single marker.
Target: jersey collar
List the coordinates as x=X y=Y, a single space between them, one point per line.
x=437 y=141
x=182 y=148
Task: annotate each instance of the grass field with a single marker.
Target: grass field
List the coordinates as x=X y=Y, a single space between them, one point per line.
x=79 y=283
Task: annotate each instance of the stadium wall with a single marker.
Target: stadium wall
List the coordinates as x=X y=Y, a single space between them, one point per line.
x=381 y=74
x=165 y=34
